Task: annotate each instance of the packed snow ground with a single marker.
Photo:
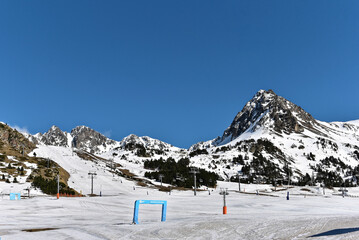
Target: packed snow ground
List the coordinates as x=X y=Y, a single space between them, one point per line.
x=265 y=216
x=249 y=216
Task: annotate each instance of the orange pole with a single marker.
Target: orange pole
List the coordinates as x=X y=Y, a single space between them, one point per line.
x=58 y=195
x=225 y=210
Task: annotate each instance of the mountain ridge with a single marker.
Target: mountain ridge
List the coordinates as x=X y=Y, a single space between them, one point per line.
x=268 y=134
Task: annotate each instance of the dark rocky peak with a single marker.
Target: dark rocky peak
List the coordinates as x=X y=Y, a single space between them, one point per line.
x=266 y=109
x=55 y=137
x=146 y=142
x=130 y=142
x=90 y=140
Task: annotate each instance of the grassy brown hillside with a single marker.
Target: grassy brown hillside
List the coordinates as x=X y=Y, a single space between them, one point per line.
x=13 y=142
x=16 y=165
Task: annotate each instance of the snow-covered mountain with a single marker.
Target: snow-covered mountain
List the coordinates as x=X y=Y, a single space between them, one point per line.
x=81 y=137
x=269 y=137
x=292 y=136
x=87 y=139
x=269 y=111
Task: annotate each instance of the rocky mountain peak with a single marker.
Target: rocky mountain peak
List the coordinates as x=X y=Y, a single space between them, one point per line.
x=268 y=110
x=90 y=140
x=146 y=142
x=54 y=136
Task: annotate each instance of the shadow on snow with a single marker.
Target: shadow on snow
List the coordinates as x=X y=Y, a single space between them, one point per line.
x=336 y=232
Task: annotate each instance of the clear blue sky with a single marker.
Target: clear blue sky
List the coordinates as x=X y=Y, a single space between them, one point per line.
x=178 y=71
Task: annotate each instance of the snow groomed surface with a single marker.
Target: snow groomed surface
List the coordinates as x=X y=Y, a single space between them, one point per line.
x=265 y=216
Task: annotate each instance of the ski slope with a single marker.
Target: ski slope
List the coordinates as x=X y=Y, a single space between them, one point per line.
x=105 y=181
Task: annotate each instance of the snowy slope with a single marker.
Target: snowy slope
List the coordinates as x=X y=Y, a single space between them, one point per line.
x=355 y=122
x=288 y=127
x=79 y=169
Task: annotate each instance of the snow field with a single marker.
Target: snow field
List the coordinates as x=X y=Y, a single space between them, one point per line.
x=188 y=217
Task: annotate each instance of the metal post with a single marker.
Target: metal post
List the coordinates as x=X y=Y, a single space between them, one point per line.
x=345 y=187
x=91 y=184
x=161 y=176
x=312 y=179
x=288 y=181
x=195 y=184
x=58 y=186
x=194 y=171
x=288 y=177
x=224 y=192
x=92 y=175
x=239 y=183
x=258 y=180
x=239 y=180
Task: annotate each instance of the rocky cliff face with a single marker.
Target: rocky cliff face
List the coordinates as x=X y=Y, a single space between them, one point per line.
x=266 y=109
x=12 y=138
x=55 y=137
x=81 y=137
x=88 y=139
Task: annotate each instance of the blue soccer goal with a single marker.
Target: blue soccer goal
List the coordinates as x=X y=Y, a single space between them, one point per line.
x=137 y=206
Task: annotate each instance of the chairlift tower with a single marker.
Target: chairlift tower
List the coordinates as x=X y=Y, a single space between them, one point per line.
x=58 y=187
x=258 y=181
x=194 y=171
x=224 y=192
x=161 y=177
x=314 y=176
x=92 y=175
x=239 y=174
x=288 y=180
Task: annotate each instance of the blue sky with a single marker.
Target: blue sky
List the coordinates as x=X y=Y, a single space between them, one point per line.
x=178 y=71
